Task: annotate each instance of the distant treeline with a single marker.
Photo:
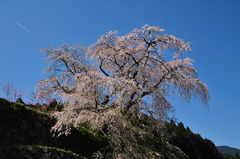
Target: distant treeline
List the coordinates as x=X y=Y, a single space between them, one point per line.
x=194 y=145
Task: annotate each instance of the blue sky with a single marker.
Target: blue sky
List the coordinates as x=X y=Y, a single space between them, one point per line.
x=213 y=27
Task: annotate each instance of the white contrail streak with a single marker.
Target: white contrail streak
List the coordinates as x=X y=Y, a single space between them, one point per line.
x=27 y=30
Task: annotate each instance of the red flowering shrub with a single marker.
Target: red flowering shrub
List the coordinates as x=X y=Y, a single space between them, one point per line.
x=40 y=100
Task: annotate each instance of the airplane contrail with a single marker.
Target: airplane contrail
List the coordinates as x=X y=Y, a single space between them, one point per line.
x=27 y=30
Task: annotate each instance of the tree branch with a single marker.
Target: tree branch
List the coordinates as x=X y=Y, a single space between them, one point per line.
x=129 y=103
x=100 y=66
x=59 y=84
x=159 y=82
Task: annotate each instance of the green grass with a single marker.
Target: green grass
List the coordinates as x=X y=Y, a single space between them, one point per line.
x=86 y=131
x=30 y=147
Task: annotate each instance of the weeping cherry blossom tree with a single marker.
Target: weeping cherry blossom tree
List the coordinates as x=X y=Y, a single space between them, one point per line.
x=120 y=78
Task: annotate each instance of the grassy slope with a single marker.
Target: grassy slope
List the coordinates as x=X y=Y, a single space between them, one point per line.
x=21 y=125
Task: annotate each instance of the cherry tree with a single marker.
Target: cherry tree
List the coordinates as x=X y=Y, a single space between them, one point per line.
x=136 y=67
x=122 y=77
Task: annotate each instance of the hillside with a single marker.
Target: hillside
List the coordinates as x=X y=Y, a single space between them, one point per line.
x=228 y=150
x=25 y=133
x=192 y=144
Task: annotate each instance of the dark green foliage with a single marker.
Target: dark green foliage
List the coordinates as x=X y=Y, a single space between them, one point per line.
x=156 y=141
x=192 y=144
x=81 y=142
x=228 y=150
x=36 y=152
x=25 y=126
x=4 y=101
x=230 y=156
x=237 y=156
x=22 y=125
x=55 y=106
x=90 y=134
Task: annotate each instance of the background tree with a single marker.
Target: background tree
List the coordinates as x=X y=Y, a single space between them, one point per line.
x=11 y=92
x=137 y=72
